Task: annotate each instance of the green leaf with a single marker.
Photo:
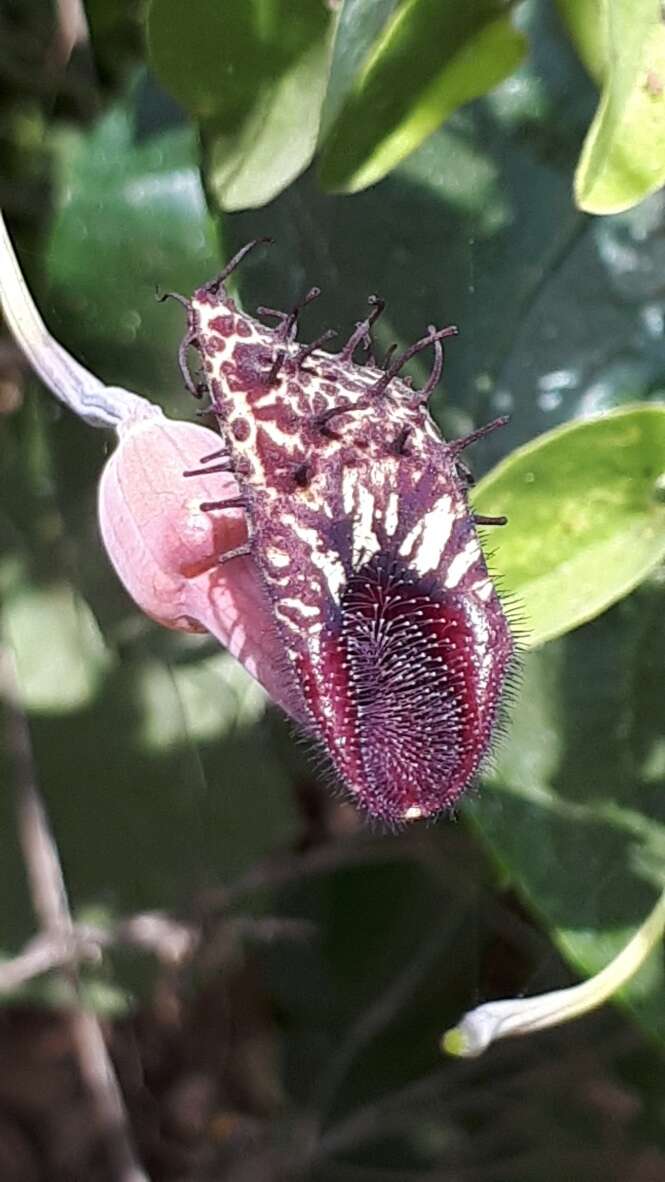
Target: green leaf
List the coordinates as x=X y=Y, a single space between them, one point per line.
x=586 y=518
x=130 y=218
x=209 y=55
x=358 y=27
x=431 y=59
x=257 y=86
x=249 y=166
x=588 y=29
x=574 y=811
x=623 y=158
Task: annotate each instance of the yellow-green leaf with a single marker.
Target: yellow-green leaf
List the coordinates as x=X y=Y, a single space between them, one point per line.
x=623 y=44
x=586 y=518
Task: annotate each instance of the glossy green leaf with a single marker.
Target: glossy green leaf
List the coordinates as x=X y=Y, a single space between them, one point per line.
x=249 y=166
x=359 y=25
x=255 y=73
x=430 y=59
x=586 y=517
x=623 y=44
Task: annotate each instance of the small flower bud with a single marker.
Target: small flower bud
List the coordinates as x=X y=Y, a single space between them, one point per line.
x=480 y=1027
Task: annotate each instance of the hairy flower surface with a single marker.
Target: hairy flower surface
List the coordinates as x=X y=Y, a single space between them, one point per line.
x=393 y=644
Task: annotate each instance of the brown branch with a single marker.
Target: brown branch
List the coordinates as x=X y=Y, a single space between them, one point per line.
x=49 y=898
x=168 y=939
x=42 y=954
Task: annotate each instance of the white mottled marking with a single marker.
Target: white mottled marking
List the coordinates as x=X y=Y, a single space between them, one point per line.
x=326 y=561
x=413 y=812
x=349 y=482
x=288 y=620
x=267 y=400
x=392 y=514
x=305 y=609
x=437 y=527
x=365 y=541
x=332 y=571
x=278 y=557
x=281 y=438
x=410 y=540
x=483 y=589
x=304 y=532
x=461 y=563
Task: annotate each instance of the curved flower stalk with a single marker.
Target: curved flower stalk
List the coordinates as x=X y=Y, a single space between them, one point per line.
x=485 y=1024
x=84 y=394
x=164 y=548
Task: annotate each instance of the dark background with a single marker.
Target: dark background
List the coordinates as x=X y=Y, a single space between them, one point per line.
x=301 y=1040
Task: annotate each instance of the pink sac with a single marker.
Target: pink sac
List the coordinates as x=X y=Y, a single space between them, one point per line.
x=166 y=548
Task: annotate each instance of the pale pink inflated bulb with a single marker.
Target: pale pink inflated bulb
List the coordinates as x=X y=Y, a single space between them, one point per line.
x=166 y=550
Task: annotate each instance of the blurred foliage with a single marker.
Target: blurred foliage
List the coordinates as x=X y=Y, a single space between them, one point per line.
x=164 y=773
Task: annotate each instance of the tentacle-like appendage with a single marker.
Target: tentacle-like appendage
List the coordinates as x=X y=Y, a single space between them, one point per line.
x=418 y=346
x=161 y=296
x=482 y=519
x=288 y=327
x=389 y=354
x=362 y=334
x=464 y=474
x=302 y=474
x=213 y=455
x=437 y=369
x=323 y=420
x=275 y=368
x=307 y=350
x=225 y=466
x=239 y=552
x=216 y=286
x=196 y=387
x=458 y=445
x=229 y=503
x=400 y=445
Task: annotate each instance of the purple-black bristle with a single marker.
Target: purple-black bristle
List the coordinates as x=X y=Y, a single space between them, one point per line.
x=406 y=712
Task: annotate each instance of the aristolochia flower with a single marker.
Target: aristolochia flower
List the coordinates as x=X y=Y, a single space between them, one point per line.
x=523 y=1015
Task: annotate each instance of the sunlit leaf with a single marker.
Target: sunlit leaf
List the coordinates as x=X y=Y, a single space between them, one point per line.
x=430 y=59
x=358 y=27
x=255 y=74
x=586 y=517
x=623 y=44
